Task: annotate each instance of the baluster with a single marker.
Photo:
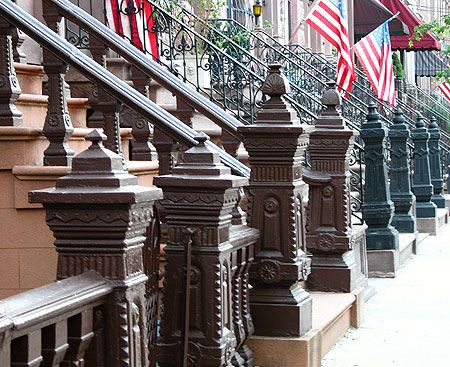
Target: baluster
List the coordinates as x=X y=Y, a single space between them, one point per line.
x=26 y=350
x=141 y=150
x=167 y=150
x=54 y=344
x=80 y=335
x=98 y=51
x=244 y=350
x=151 y=269
x=96 y=352
x=5 y=341
x=184 y=112
x=230 y=144
x=9 y=85
x=106 y=106
x=18 y=37
x=57 y=127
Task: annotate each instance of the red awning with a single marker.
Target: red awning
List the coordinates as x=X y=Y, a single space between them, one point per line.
x=428 y=41
x=369 y=14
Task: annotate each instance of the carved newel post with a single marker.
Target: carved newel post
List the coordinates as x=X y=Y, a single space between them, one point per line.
x=400 y=178
x=206 y=317
x=435 y=164
x=378 y=209
x=336 y=266
x=422 y=187
x=99 y=215
x=276 y=144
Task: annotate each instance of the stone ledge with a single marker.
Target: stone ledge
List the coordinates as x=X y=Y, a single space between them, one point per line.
x=24 y=146
x=385 y=263
x=30 y=77
x=34 y=110
x=432 y=225
x=28 y=178
x=333 y=314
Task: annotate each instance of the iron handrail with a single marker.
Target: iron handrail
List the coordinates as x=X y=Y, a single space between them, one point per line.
x=108 y=81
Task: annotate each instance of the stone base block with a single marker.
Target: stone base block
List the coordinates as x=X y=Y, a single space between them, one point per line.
x=333 y=314
x=381 y=238
x=337 y=273
x=439 y=200
x=384 y=263
x=404 y=223
x=447 y=201
x=294 y=307
x=432 y=225
x=425 y=210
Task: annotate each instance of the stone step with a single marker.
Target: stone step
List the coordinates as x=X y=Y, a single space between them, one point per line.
x=30 y=251
x=34 y=110
x=333 y=314
x=30 y=78
x=24 y=146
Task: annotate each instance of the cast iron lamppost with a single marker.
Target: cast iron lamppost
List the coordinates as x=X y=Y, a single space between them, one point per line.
x=257 y=10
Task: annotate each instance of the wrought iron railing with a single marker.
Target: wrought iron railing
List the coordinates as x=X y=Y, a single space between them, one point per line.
x=196 y=54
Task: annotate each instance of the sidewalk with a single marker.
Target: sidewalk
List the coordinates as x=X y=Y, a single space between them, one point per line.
x=407 y=322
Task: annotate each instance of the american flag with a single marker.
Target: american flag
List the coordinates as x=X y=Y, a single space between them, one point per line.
x=445 y=89
x=133 y=20
x=374 y=53
x=329 y=18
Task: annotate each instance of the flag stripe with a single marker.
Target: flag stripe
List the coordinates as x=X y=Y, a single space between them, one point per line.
x=445 y=89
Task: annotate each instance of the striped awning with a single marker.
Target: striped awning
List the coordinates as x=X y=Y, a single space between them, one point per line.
x=428 y=63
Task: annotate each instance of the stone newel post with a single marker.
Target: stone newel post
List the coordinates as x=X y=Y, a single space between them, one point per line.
x=206 y=318
x=276 y=145
x=378 y=208
x=400 y=184
x=99 y=215
x=435 y=164
x=422 y=187
x=335 y=265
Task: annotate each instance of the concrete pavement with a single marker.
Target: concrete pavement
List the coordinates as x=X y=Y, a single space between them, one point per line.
x=407 y=322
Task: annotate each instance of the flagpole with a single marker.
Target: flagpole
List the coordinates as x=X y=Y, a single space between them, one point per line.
x=303 y=20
